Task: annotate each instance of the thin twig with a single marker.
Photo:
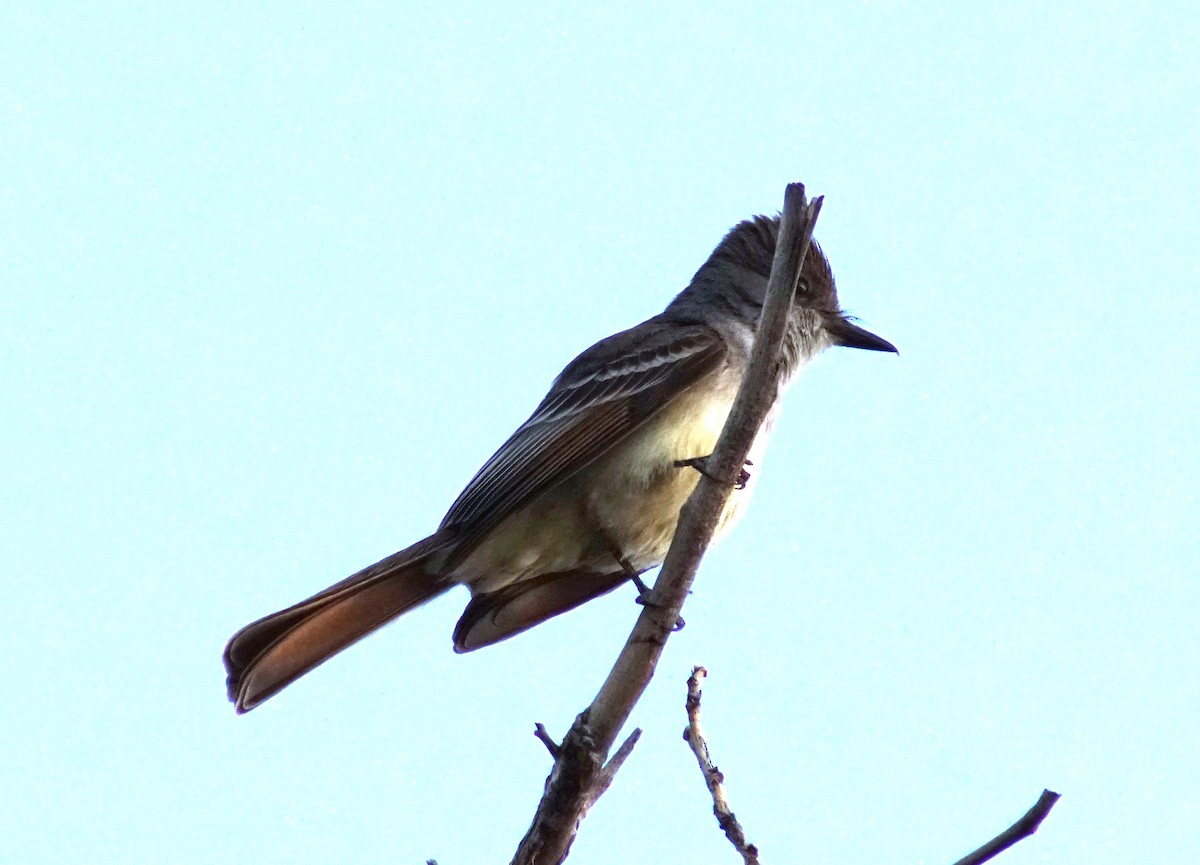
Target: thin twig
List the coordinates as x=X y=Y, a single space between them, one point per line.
x=1023 y=828
x=694 y=736
x=581 y=756
x=539 y=732
x=605 y=778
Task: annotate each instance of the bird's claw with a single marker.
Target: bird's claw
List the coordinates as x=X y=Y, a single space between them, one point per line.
x=643 y=599
x=700 y=464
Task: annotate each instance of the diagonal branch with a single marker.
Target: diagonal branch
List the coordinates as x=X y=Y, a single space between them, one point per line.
x=580 y=762
x=1018 y=831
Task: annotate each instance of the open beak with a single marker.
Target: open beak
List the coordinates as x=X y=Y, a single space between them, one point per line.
x=852 y=336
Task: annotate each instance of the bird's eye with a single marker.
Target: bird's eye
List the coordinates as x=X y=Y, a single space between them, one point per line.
x=802 y=286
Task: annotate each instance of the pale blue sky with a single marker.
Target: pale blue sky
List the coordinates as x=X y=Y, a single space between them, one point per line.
x=273 y=284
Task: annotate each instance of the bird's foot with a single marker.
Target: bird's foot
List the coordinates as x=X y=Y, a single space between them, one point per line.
x=635 y=577
x=643 y=599
x=700 y=464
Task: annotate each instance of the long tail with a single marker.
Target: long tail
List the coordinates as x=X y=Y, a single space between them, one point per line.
x=266 y=656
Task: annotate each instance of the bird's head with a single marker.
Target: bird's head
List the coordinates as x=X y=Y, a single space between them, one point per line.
x=735 y=276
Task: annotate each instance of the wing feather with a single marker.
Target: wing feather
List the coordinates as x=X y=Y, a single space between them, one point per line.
x=599 y=399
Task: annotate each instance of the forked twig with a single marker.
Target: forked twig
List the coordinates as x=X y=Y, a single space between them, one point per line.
x=580 y=764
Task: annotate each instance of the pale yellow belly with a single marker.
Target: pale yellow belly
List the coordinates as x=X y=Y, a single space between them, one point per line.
x=637 y=492
x=629 y=500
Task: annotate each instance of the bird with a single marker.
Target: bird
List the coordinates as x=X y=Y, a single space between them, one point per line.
x=586 y=494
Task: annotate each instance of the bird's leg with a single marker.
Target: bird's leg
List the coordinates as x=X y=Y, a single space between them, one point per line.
x=643 y=598
x=700 y=464
x=635 y=577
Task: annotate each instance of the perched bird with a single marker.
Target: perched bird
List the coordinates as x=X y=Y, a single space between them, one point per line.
x=585 y=495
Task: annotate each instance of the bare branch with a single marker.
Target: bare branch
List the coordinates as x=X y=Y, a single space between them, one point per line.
x=1018 y=831
x=694 y=736
x=580 y=760
x=609 y=771
x=539 y=732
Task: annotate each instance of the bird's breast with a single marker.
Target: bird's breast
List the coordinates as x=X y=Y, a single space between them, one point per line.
x=636 y=493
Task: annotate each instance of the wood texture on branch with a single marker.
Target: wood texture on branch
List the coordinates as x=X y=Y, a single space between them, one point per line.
x=580 y=764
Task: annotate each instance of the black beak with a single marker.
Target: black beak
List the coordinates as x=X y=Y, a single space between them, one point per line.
x=852 y=336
